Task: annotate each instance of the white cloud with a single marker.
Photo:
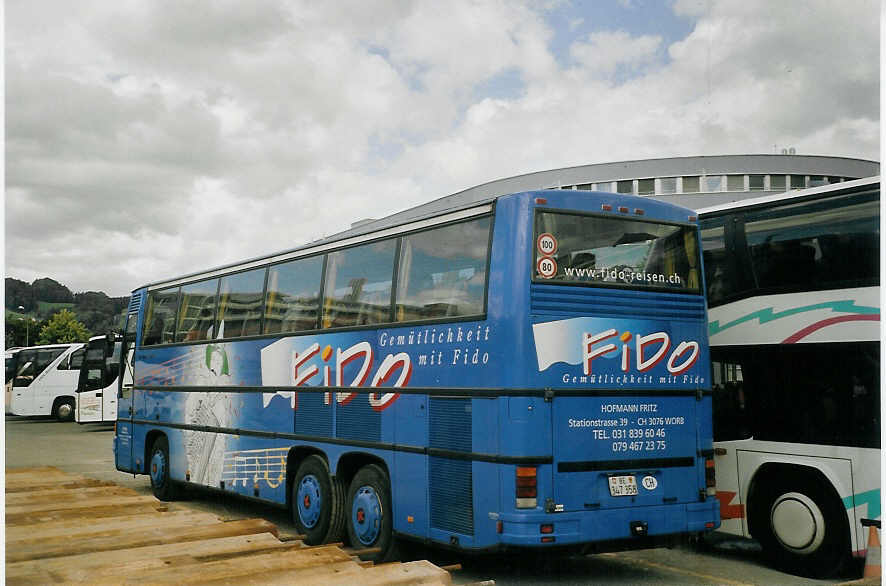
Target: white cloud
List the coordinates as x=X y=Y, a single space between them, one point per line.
x=147 y=140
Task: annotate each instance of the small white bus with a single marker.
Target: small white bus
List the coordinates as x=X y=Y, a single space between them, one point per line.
x=44 y=380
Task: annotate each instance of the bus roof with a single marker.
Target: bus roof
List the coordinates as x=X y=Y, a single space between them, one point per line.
x=440 y=211
x=833 y=188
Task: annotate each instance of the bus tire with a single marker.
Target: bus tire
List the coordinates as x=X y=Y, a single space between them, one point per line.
x=800 y=524
x=370 y=522
x=64 y=409
x=158 y=469
x=318 y=502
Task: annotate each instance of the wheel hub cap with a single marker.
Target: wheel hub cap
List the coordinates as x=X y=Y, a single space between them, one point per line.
x=158 y=468
x=310 y=504
x=797 y=522
x=367 y=515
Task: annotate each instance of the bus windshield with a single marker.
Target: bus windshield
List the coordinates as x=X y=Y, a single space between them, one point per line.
x=624 y=252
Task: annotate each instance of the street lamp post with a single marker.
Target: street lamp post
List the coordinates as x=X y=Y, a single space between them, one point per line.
x=28 y=321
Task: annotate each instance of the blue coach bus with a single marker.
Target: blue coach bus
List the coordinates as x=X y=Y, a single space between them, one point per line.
x=530 y=370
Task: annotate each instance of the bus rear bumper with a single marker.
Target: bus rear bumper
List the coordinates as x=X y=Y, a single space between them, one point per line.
x=643 y=524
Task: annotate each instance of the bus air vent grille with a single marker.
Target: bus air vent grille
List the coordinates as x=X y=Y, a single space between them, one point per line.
x=135 y=302
x=451 y=480
x=557 y=300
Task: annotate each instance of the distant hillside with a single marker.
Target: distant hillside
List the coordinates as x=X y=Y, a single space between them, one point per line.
x=44 y=297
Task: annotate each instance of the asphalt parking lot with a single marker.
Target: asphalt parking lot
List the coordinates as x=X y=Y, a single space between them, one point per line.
x=86 y=450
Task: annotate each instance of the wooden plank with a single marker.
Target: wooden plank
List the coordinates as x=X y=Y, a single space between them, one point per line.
x=74 y=529
x=251 y=566
x=66 y=483
x=34 y=470
x=349 y=572
x=422 y=572
x=87 y=504
x=57 y=547
x=87 y=514
x=417 y=572
x=67 y=496
x=107 y=565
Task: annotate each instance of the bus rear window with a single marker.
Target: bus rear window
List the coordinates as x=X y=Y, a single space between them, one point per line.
x=613 y=251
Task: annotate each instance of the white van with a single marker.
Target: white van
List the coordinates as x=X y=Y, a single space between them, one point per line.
x=96 y=395
x=45 y=380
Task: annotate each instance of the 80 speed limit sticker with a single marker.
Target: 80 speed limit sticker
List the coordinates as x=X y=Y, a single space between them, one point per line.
x=547 y=267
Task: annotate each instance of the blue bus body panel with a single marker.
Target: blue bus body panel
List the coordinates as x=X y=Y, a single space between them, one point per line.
x=451 y=409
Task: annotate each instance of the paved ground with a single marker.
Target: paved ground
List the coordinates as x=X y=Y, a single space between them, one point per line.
x=87 y=450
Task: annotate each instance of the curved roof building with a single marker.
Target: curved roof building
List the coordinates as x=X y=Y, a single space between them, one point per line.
x=693 y=182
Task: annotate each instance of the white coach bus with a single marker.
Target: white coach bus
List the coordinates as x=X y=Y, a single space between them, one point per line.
x=44 y=380
x=794 y=323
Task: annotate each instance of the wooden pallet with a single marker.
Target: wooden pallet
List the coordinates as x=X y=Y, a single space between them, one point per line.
x=63 y=528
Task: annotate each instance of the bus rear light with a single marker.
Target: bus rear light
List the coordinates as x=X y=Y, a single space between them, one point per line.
x=693 y=218
x=527 y=487
x=541 y=201
x=606 y=207
x=709 y=525
x=710 y=474
x=547 y=528
x=499 y=527
x=623 y=209
x=547 y=539
x=638 y=211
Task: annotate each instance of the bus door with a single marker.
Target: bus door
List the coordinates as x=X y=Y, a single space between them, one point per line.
x=11 y=367
x=123 y=429
x=97 y=391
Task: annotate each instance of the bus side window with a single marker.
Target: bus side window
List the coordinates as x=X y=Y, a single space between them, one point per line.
x=358 y=285
x=719 y=263
x=443 y=272
x=293 y=299
x=241 y=296
x=196 y=311
x=160 y=317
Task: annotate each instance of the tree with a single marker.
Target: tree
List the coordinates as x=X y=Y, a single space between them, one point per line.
x=63 y=327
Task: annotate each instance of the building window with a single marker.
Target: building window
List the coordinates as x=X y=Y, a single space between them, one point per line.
x=645 y=186
x=713 y=183
x=755 y=182
x=690 y=184
x=626 y=186
x=668 y=185
x=777 y=183
x=735 y=183
x=798 y=181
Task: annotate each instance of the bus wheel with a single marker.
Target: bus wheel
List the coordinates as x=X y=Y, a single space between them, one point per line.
x=801 y=526
x=369 y=518
x=161 y=483
x=318 y=502
x=64 y=410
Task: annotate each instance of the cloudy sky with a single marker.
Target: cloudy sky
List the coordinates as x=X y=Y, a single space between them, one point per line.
x=146 y=139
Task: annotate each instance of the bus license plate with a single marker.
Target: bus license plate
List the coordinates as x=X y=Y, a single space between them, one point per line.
x=622 y=485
